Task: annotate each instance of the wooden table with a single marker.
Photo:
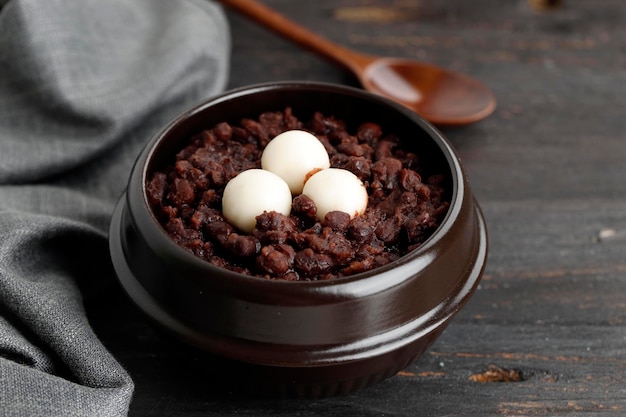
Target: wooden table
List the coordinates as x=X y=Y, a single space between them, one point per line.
x=549 y=171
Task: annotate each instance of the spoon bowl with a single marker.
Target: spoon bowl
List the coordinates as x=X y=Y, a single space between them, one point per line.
x=442 y=97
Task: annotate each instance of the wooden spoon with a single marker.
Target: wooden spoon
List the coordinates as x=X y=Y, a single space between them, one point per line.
x=440 y=96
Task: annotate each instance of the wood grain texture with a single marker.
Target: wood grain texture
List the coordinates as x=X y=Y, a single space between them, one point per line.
x=549 y=171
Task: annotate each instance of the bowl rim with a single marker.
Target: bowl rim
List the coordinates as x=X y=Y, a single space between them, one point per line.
x=369 y=281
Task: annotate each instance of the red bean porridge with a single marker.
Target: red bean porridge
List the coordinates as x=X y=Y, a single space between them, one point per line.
x=405 y=204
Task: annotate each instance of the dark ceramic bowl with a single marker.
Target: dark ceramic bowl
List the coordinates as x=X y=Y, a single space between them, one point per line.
x=302 y=338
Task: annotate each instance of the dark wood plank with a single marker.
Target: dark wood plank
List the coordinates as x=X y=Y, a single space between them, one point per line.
x=548 y=169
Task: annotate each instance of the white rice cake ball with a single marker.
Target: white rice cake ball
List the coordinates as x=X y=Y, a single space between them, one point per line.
x=293 y=155
x=336 y=189
x=251 y=193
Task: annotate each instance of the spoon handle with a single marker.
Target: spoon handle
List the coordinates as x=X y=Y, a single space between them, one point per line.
x=288 y=29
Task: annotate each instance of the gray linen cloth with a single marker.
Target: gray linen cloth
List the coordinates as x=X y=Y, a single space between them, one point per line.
x=83 y=85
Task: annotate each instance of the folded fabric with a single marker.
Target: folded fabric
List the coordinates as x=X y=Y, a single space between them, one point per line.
x=83 y=85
